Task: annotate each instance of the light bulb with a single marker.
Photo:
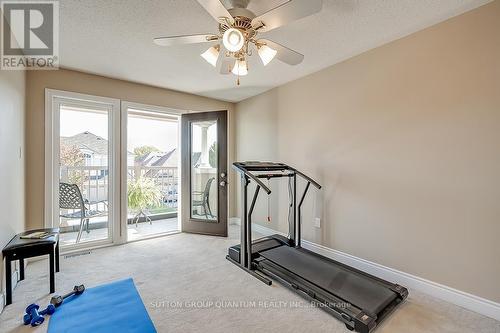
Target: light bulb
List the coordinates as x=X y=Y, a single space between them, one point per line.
x=266 y=54
x=233 y=40
x=240 y=68
x=211 y=55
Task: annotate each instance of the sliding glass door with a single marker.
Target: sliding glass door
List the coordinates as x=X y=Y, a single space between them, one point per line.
x=152 y=170
x=113 y=170
x=83 y=168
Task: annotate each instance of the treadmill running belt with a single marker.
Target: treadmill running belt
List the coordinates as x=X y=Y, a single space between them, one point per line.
x=353 y=287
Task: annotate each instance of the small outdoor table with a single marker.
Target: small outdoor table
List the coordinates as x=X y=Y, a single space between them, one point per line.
x=20 y=249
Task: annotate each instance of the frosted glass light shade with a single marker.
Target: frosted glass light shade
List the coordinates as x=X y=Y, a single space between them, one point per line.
x=211 y=55
x=240 y=68
x=233 y=40
x=266 y=54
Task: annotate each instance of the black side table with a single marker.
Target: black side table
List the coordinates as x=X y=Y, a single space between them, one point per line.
x=20 y=249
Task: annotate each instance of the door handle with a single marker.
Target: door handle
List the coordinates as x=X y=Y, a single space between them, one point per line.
x=223 y=183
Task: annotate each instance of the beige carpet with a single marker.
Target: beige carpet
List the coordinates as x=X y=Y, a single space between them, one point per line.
x=187 y=285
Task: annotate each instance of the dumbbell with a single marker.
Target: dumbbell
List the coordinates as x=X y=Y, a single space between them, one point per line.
x=35 y=317
x=58 y=300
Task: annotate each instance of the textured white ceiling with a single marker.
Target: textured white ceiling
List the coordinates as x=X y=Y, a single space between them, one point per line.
x=114 y=38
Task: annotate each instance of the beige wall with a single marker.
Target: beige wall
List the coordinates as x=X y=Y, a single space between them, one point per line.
x=257 y=140
x=12 y=97
x=405 y=139
x=79 y=82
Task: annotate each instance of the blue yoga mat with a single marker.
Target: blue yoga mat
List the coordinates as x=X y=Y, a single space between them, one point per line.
x=114 y=307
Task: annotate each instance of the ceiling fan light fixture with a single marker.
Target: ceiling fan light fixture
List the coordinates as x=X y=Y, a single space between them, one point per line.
x=266 y=54
x=233 y=40
x=211 y=55
x=238 y=35
x=240 y=68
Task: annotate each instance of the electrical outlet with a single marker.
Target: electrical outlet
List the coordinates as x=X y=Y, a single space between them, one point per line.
x=317 y=222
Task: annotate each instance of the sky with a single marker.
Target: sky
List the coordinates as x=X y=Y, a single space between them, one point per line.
x=158 y=133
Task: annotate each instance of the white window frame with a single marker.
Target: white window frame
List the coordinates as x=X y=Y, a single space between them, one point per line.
x=53 y=99
x=125 y=105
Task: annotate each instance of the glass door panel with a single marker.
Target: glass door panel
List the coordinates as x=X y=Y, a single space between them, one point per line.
x=84 y=173
x=204 y=170
x=152 y=173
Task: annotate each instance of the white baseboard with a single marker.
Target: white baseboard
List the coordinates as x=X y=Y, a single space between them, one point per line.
x=468 y=301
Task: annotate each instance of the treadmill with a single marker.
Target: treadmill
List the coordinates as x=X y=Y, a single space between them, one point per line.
x=358 y=299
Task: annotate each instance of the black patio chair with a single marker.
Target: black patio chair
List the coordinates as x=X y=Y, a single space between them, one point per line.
x=205 y=199
x=70 y=197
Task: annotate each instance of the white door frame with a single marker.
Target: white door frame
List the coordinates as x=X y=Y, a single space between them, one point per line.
x=125 y=105
x=53 y=99
x=117 y=165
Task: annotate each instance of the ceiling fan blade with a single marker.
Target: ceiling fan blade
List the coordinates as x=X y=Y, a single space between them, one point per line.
x=285 y=13
x=185 y=39
x=284 y=54
x=216 y=9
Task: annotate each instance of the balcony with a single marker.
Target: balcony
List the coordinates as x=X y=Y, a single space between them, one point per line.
x=93 y=183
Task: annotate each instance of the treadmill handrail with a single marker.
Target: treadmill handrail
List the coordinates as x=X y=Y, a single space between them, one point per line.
x=309 y=179
x=241 y=168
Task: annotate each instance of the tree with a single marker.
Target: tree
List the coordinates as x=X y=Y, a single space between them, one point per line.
x=144 y=150
x=212 y=155
x=71 y=156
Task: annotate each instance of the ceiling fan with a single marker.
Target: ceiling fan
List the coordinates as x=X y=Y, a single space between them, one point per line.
x=238 y=33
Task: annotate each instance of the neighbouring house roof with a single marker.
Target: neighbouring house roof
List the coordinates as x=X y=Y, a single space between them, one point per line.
x=166 y=159
x=162 y=161
x=146 y=159
x=88 y=141
x=158 y=159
